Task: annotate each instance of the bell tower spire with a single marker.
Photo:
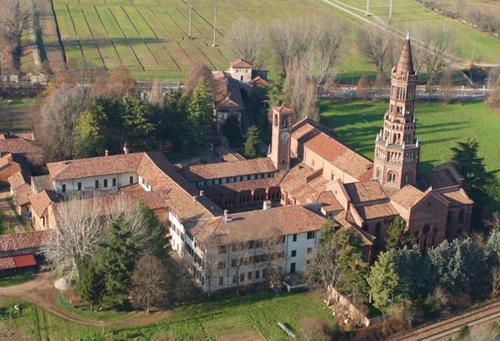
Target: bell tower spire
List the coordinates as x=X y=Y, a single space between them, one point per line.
x=397 y=151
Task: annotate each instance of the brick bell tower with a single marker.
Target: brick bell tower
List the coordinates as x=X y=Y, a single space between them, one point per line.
x=397 y=151
x=280 y=144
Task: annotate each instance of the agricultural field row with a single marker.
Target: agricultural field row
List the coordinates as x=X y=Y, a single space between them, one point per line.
x=150 y=36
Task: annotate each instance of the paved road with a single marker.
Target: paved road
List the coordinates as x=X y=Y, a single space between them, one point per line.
x=451 y=326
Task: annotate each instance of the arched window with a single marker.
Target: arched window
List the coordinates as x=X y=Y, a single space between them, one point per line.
x=407 y=178
x=377 y=173
x=276 y=122
x=391 y=177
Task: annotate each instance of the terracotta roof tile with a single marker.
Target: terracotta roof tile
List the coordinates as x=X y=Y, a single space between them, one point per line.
x=408 y=196
x=95 y=166
x=339 y=155
x=240 y=64
x=364 y=191
x=257 y=225
x=41 y=201
x=458 y=196
x=23 y=240
x=378 y=210
x=18 y=145
x=229 y=169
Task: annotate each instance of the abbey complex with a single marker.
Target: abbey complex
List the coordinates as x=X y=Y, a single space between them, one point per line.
x=229 y=219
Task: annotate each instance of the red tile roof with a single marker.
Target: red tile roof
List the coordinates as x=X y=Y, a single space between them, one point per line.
x=257 y=225
x=340 y=156
x=229 y=169
x=24 y=260
x=18 y=145
x=408 y=196
x=240 y=64
x=95 y=166
x=7 y=263
x=23 y=240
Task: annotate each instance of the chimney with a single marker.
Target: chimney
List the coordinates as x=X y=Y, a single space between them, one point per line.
x=202 y=193
x=267 y=205
x=106 y=152
x=125 y=148
x=227 y=218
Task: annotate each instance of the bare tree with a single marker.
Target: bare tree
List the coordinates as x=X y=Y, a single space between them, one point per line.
x=120 y=82
x=274 y=253
x=155 y=95
x=197 y=72
x=212 y=263
x=327 y=42
x=56 y=119
x=362 y=87
x=247 y=39
x=279 y=44
x=377 y=47
x=494 y=86
x=433 y=58
x=15 y=20
x=149 y=283
x=446 y=86
x=76 y=237
x=299 y=92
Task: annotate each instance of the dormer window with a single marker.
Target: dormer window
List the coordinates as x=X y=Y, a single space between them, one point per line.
x=63 y=187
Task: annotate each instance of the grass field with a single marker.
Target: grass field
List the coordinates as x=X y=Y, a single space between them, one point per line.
x=148 y=36
x=439 y=127
x=256 y=313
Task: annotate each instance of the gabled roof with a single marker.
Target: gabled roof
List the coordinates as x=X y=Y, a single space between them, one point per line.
x=340 y=156
x=228 y=169
x=95 y=166
x=240 y=64
x=227 y=93
x=442 y=176
x=283 y=109
x=408 y=196
x=17 y=145
x=41 y=201
x=365 y=191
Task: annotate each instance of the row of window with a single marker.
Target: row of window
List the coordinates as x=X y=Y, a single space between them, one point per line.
x=232 y=179
x=97 y=184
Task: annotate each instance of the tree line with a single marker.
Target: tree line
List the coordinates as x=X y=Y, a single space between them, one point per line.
x=81 y=117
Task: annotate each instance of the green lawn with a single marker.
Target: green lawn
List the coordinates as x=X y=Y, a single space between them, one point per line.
x=197 y=321
x=439 y=127
x=15 y=279
x=148 y=36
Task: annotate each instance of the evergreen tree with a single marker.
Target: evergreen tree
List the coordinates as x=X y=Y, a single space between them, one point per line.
x=200 y=115
x=460 y=266
x=398 y=235
x=90 y=282
x=158 y=245
x=415 y=273
x=232 y=131
x=172 y=124
x=466 y=160
x=138 y=123
x=117 y=261
x=384 y=281
x=252 y=142
x=275 y=93
x=89 y=133
x=492 y=248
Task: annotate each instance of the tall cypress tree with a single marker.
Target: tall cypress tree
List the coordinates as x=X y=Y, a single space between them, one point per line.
x=200 y=115
x=398 y=236
x=138 y=122
x=252 y=142
x=90 y=283
x=118 y=259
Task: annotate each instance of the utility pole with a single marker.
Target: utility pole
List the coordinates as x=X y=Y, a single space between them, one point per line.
x=215 y=27
x=367 y=8
x=189 y=17
x=390 y=9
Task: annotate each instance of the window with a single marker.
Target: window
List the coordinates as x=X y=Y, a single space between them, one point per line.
x=257 y=274
x=242 y=277
x=114 y=182
x=461 y=216
x=105 y=183
x=264 y=273
x=294 y=238
x=309 y=250
x=63 y=187
x=221 y=265
x=97 y=184
x=249 y=275
x=79 y=186
x=235 y=278
x=294 y=253
x=221 y=280
x=378 y=227
x=222 y=249
x=131 y=180
x=292 y=268
x=311 y=234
